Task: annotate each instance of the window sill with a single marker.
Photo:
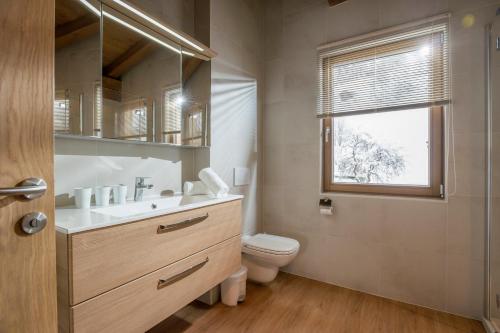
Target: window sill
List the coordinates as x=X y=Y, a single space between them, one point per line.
x=334 y=194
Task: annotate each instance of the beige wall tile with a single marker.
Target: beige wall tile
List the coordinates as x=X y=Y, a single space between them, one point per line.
x=299 y=126
x=274 y=123
x=465 y=227
x=274 y=165
x=301 y=75
x=359 y=270
x=305 y=29
x=393 y=12
x=464 y=277
x=467 y=154
x=340 y=24
x=274 y=210
x=413 y=277
x=274 y=81
x=273 y=38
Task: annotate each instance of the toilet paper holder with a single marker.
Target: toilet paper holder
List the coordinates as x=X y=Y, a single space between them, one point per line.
x=325 y=206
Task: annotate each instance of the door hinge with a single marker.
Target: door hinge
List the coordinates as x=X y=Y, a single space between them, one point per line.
x=441 y=190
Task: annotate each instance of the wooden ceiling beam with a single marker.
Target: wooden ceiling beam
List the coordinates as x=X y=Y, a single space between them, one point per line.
x=111 y=89
x=76 y=30
x=189 y=66
x=335 y=2
x=128 y=59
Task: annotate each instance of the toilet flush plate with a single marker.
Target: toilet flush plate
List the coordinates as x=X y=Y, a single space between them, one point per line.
x=241 y=176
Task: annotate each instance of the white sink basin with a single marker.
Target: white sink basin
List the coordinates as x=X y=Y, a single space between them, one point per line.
x=71 y=220
x=148 y=206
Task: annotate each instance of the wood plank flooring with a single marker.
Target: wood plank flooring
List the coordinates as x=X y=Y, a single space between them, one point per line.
x=296 y=304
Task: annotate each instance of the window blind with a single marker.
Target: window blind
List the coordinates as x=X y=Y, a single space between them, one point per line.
x=98 y=109
x=61 y=111
x=399 y=71
x=132 y=122
x=172 y=115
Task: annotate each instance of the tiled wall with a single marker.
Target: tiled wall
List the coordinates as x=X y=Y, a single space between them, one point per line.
x=426 y=252
x=235 y=35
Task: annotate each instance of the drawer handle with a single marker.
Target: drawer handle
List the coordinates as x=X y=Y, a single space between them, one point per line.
x=162 y=283
x=179 y=225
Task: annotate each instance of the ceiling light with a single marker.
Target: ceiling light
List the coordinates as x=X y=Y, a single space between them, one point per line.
x=139 y=31
x=91 y=7
x=188 y=53
x=158 y=24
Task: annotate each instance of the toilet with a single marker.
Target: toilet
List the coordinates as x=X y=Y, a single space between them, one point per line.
x=264 y=254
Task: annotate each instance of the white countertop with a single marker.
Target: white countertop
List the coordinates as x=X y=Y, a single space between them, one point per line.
x=71 y=220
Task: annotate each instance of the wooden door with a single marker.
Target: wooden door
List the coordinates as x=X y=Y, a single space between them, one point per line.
x=27 y=262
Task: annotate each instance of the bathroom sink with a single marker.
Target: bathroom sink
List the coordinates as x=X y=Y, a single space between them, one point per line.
x=149 y=206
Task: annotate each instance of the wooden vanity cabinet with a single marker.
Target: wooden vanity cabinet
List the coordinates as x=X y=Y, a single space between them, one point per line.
x=129 y=277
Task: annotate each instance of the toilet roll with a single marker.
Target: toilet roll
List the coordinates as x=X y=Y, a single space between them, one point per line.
x=326 y=211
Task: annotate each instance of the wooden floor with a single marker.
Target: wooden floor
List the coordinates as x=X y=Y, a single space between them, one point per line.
x=296 y=304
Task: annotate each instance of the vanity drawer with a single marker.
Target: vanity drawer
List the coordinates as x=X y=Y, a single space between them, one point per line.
x=143 y=303
x=107 y=258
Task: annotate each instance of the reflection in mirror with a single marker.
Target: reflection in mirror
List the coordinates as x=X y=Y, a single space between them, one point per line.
x=141 y=75
x=195 y=101
x=77 y=66
x=172 y=115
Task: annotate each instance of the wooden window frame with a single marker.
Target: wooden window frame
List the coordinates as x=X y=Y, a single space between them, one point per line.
x=436 y=164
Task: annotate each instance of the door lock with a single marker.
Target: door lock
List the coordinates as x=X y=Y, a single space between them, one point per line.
x=33 y=222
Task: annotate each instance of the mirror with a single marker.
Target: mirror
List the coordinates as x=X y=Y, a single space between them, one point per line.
x=195 y=101
x=77 y=67
x=141 y=76
x=119 y=79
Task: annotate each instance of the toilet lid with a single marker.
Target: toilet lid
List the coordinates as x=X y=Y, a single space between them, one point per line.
x=271 y=244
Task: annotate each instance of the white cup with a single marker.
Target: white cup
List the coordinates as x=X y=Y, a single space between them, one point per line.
x=102 y=195
x=119 y=194
x=82 y=197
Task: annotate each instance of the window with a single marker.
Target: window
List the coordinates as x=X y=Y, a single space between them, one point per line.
x=61 y=112
x=382 y=105
x=172 y=115
x=194 y=125
x=98 y=109
x=132 y=122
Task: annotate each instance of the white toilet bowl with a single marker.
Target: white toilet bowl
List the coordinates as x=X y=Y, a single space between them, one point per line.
x=264 y=254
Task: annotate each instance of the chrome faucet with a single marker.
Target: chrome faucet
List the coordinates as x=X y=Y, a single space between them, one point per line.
x=140 y=185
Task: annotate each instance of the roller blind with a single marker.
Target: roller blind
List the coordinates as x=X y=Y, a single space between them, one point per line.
x=405 y=70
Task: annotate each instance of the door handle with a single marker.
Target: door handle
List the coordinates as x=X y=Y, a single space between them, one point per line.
x=30 y=189
x=162 y=283
x=180 y=225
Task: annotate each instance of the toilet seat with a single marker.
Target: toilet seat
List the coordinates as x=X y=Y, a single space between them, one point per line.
x=269 y=244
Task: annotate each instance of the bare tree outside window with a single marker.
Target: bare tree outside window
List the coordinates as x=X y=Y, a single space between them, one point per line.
x=359 y=158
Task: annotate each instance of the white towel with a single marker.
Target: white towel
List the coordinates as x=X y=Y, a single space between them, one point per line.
x=195 y=188
x=214 y=183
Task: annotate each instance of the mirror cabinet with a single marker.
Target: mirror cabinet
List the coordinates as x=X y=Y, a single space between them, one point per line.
x=123 y=74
